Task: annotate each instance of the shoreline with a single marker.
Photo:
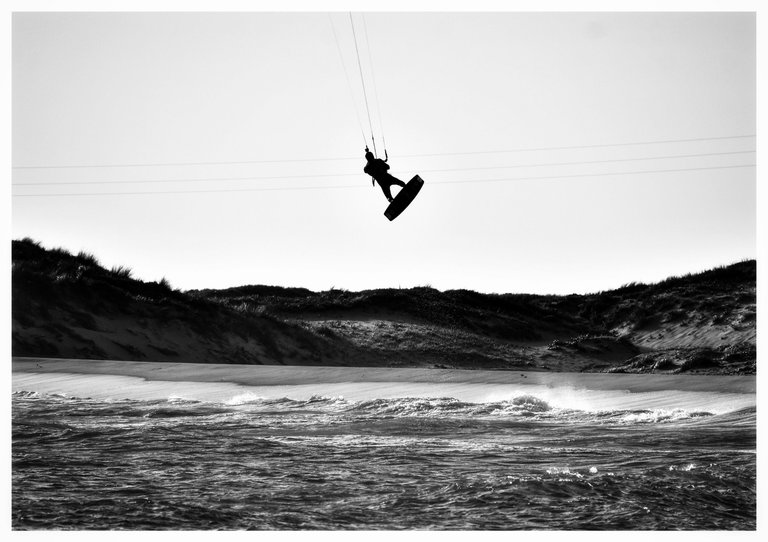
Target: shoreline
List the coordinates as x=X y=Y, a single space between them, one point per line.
x=292 y=375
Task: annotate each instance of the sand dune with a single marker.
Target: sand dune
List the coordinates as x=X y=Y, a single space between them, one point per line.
x=68 y=306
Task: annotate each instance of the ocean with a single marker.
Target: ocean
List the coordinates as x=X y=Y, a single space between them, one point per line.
x=101 y=452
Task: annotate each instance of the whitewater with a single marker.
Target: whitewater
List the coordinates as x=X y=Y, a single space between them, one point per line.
x=132 y=446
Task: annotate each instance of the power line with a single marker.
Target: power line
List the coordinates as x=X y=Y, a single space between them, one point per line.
x=277 y=177
x=589 y=162
x=179 y=164
x=585 y=175
x=208 y=179
x=530 y=149
x=292 y=160
x=216 y=190
x=299 y=188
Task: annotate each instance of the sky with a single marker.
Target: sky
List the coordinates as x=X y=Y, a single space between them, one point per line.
x=562 y=152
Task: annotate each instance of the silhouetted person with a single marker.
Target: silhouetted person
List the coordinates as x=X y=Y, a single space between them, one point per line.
x=377 y=168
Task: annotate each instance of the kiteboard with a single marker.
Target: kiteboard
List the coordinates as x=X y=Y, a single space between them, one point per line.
x=404 y=198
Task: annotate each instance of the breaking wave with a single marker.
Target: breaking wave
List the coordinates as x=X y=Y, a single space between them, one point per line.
x=521 y=406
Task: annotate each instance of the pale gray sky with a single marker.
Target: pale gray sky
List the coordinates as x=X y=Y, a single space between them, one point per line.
x=204 y=107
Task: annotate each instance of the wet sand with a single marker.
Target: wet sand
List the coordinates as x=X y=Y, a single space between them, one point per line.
x=273 y=375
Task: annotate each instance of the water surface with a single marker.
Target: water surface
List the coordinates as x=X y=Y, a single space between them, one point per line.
x=474 y=456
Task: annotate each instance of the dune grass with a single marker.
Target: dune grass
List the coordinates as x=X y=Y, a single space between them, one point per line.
x=122 y=272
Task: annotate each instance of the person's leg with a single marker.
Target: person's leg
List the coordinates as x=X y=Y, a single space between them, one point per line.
x=385 y=188
x=395 y=180
x=388 y=181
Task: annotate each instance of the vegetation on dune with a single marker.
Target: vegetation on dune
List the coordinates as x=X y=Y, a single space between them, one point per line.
x=719 y=295
x=60 y=300
x=34 y=265
x=68 y=305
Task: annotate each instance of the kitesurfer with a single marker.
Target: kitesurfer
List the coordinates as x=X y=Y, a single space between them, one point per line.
x=377 y=168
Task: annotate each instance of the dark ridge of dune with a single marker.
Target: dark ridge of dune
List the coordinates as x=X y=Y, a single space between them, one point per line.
x=66 y=305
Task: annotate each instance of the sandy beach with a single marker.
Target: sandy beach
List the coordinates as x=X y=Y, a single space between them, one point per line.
x=271 y=375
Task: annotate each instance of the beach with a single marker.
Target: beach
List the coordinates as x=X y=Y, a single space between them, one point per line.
x=113 y=380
